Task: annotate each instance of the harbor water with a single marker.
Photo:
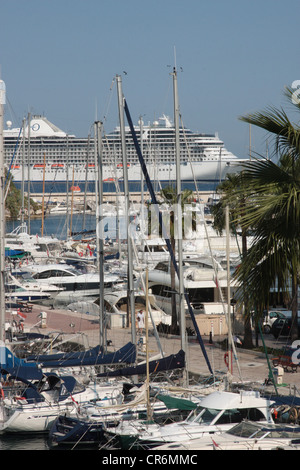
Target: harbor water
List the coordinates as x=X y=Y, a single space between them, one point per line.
x=24 y=442
x=56 y=226
x=134 y=186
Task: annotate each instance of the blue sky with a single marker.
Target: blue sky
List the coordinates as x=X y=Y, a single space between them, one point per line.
x=59 y=58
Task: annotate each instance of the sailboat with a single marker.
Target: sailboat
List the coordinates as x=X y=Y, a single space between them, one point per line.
x=41 y=397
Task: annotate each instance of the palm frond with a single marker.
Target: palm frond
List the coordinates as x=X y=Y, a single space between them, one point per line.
x=276 y=122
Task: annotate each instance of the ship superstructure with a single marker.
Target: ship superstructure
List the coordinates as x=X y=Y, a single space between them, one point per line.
x=203 y=156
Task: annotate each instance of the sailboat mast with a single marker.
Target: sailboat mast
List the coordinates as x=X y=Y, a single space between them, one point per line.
x=67 y=189
x=179 y=221
x=28 y=173
x=2 y=216
x=23 y=174
x=43 y=200
x=126 y=193
x=86 y=181
x=100 y=244
x=228 y=293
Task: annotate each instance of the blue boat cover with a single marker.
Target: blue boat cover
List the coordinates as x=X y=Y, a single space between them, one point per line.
x=24 y=374
x=175 y=361
x=65 y=355
x=127 y=354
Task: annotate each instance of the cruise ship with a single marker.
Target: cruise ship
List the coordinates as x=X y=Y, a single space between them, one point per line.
x=55 y=156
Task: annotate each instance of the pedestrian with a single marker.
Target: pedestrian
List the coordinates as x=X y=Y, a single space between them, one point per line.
x=141 y=321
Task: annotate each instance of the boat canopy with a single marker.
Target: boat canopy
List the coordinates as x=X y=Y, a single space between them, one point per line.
x=174 y=361
x=126 y=354
x=44 y=358
x=177 y=403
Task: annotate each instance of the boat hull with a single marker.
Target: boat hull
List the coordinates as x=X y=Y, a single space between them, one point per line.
x=39 y=419
x=68 y=431
x=197 y=171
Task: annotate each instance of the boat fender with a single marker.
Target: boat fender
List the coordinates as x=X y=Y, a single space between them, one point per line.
x=274 y=413
x=1 y=393
x=226 y=360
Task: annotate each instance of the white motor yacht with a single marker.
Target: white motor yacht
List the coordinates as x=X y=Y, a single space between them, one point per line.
x=216 y=413
x=75 y=285
x=247 y=435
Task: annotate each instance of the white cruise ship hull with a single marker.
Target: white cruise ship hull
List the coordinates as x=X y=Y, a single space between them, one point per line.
x=57 y=157
x=198 y=171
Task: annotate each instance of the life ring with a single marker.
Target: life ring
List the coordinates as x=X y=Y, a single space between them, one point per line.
x=80 y=254
x=293 y=414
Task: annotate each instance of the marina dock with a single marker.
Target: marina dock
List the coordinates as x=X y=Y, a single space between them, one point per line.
x=84 y=329
x=108 y=197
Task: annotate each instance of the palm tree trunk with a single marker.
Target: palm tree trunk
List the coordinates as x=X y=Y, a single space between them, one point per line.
x=248 y=342
x=294 y=307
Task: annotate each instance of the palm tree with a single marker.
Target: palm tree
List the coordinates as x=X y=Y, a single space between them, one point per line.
x=274 y=213
x=234 y=195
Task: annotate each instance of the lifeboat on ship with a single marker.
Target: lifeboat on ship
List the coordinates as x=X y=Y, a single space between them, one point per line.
x=57 y=165
x=120 y=165
x=76 y=189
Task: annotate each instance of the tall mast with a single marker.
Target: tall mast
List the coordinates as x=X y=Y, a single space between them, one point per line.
x=28 y=172
x=179 y=223
x=43 y=200
x=67 y=188
x=23 y=174
x=86 y=181
x=2 y=217
x=100 y=245
x=126 y=193
x=228 y=293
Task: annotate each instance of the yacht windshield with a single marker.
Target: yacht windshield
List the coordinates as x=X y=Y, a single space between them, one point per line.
x=244 y=430
x=203 y=416
x=208 y=416
x=249 y=430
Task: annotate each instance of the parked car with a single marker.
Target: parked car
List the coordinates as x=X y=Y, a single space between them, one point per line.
x=273 y=315
x=282 y=327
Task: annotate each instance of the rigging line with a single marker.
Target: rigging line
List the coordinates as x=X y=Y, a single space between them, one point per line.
x=226 y=313
x=150 y=309
x=13 y=157
x=11 y=110
x=110 y=94
x=154 y=200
